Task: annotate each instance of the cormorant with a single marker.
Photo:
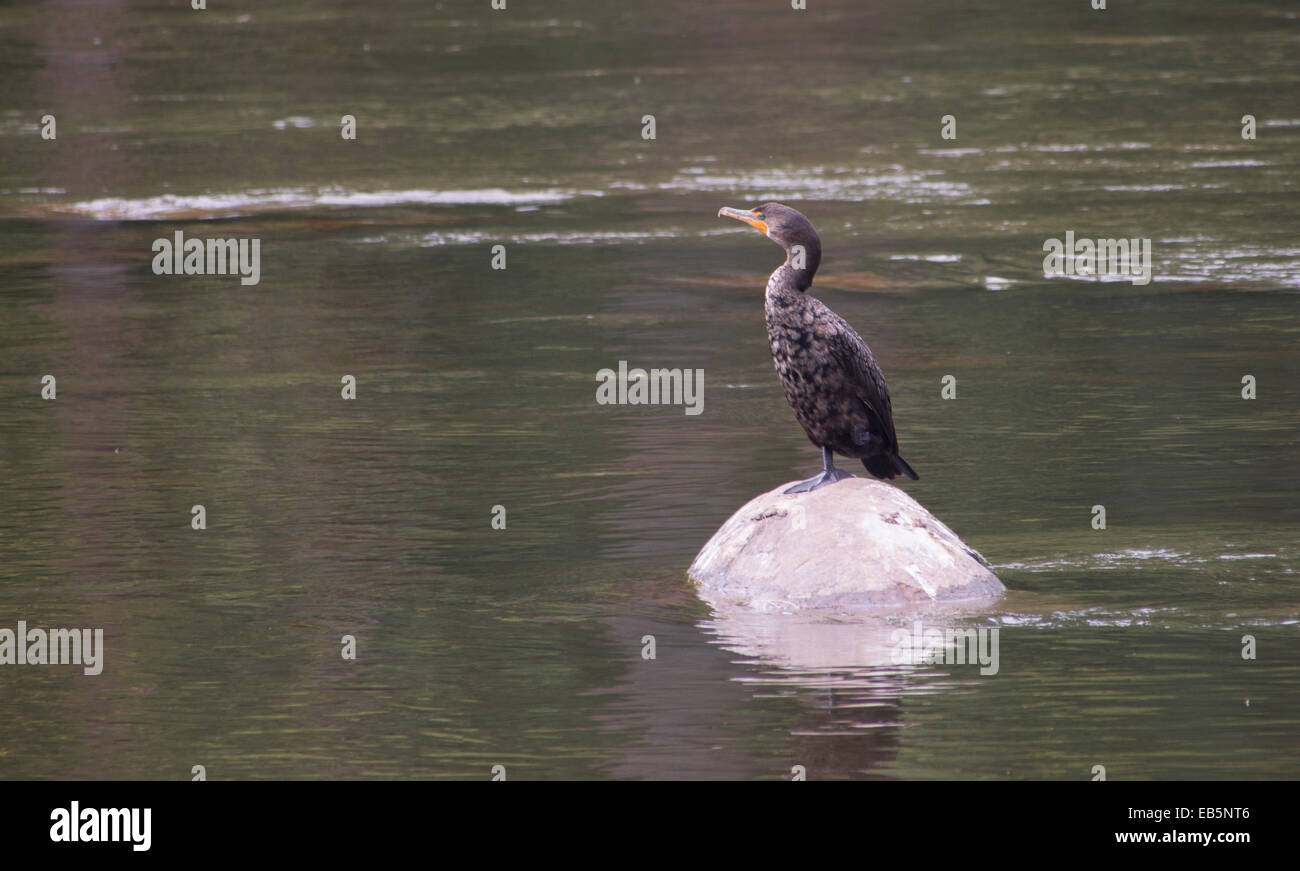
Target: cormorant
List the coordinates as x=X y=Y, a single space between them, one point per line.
x=830 y=377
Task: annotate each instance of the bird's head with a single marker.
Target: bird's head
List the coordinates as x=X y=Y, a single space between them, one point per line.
x=787 y=228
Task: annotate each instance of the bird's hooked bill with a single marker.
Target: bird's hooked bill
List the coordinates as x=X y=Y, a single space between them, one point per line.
x=752 y=217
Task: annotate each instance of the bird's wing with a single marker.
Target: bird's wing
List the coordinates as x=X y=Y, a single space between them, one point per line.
x=852 y=353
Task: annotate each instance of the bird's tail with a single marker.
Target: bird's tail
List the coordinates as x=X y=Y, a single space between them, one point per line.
x=888 y=466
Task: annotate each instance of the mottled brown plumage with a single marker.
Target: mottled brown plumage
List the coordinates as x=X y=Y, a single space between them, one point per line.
x=829 y=375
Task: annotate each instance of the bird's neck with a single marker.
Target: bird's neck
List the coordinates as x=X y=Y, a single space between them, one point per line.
x=795 y=275
x=784 y=295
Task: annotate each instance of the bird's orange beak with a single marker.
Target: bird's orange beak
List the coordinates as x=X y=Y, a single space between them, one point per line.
x=750 y=217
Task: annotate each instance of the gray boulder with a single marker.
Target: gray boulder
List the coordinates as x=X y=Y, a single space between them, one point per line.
x=853 y=545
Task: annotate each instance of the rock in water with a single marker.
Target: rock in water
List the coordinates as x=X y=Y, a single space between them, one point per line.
x=855 y=544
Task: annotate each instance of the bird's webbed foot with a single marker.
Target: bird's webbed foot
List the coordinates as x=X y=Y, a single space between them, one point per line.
x=829 y=476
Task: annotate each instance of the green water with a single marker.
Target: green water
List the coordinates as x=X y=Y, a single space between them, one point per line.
x=475 y=387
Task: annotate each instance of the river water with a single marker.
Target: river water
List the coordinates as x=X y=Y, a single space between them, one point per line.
x=523 y=647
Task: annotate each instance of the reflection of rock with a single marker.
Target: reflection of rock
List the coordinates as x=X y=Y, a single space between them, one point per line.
x=804 y=644
x=858 y=543
x=852 y=675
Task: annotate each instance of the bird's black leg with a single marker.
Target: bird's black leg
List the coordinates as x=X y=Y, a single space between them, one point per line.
x=829 y=475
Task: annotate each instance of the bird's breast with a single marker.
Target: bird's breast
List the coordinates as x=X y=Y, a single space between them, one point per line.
x=821 y=393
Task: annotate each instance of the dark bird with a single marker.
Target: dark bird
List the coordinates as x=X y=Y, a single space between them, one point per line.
x=830 y=377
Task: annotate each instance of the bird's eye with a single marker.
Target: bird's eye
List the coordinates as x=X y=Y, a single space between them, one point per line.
x=759 y=215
